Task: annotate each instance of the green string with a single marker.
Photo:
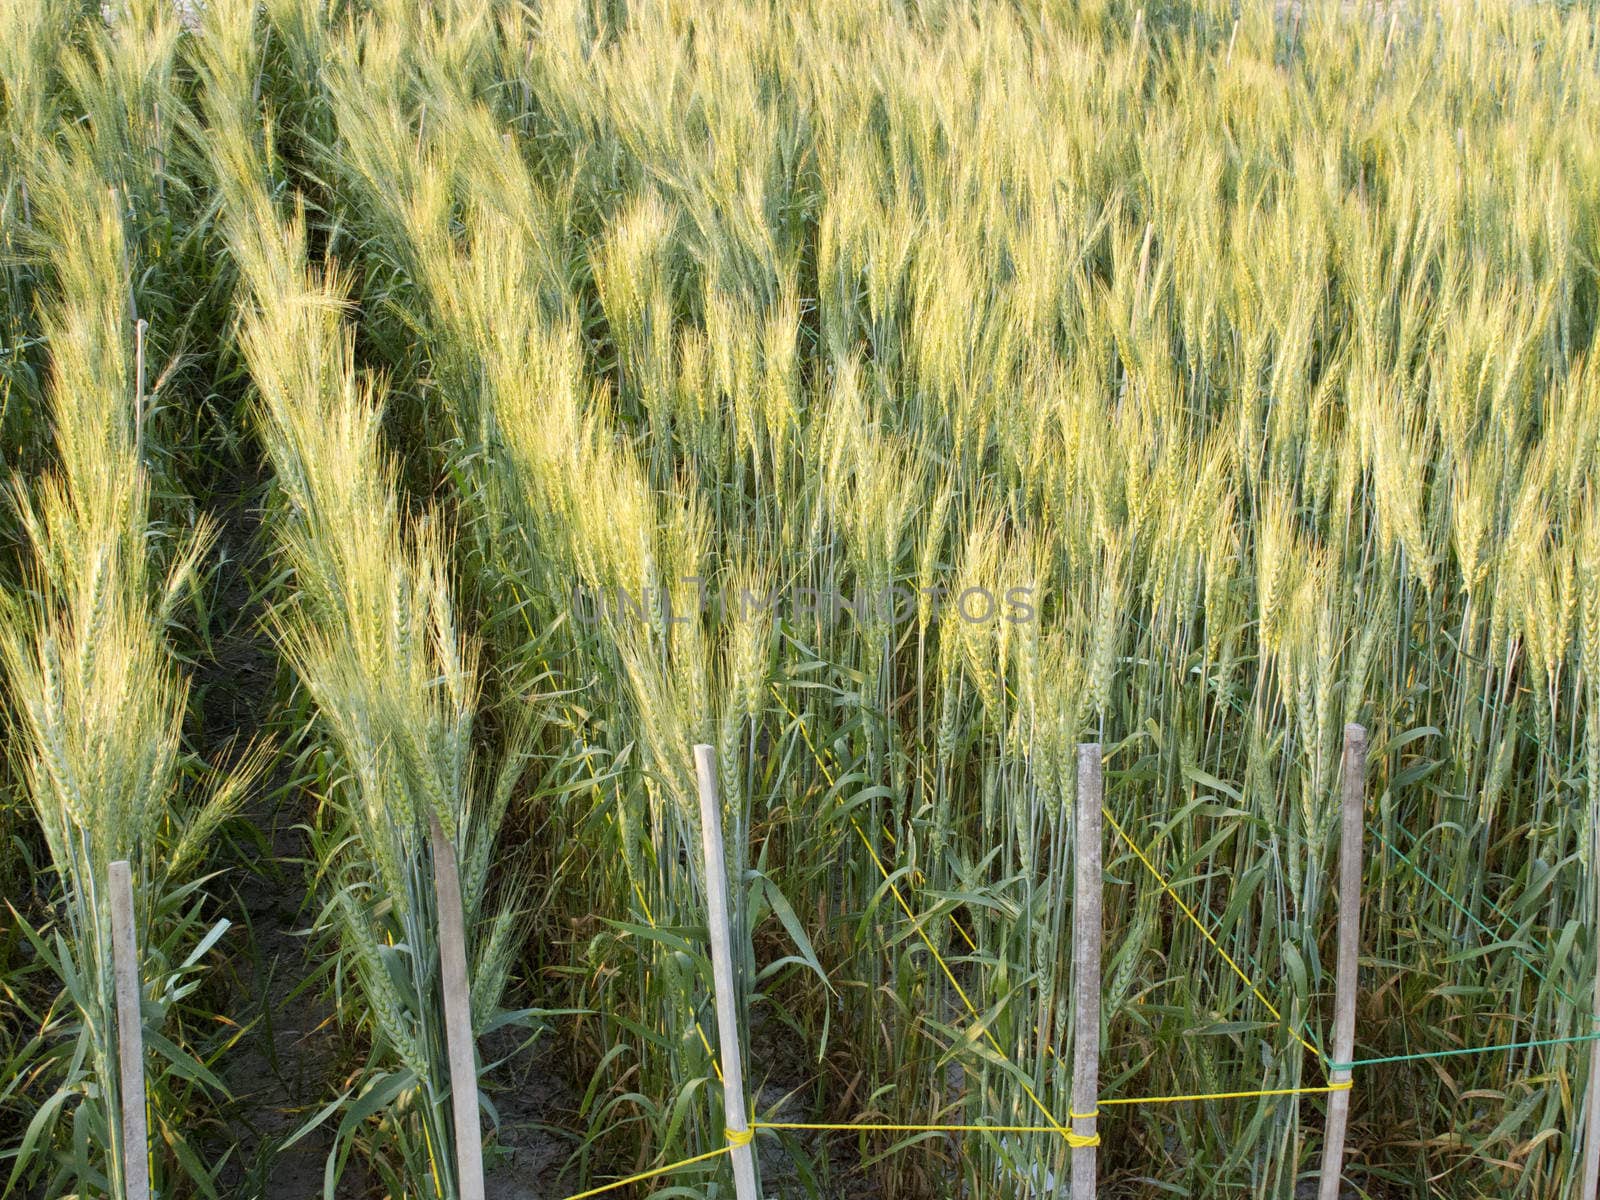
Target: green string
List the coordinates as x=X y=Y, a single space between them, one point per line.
x=1473 y=917
x=1464 y=910
x=1398 y=1058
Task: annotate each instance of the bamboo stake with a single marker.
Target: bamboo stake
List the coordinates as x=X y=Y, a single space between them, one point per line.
x=1344 y=1011
x=1086 y=935
x=161 y=160
x=457 y=1016
x=130 y=1036
x=1591 y=1141
x=139 y=328
x=716 y=878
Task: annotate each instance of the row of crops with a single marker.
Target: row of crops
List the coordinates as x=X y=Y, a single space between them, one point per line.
x=891 y=396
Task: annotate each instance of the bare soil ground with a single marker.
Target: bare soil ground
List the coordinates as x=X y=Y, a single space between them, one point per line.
x=280 y=1071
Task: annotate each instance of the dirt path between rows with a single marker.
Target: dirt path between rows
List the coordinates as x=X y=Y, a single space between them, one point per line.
x=280 y=1072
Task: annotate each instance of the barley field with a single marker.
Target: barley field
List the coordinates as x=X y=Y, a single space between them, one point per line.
x=430 y=421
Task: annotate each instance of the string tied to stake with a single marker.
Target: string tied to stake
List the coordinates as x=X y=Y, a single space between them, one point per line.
x=1081 y=1141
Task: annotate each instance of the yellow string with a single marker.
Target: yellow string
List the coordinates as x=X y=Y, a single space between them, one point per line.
x=1076 y=1140
x=1206 y=933
x=704 y=1041
x=828 y=775
x=1297 y=1091
x=715 y=1065
x=916 y=924
x=868 y=1127
x=433 y=1161
x=1073 y=1138
x=737 y=1139
x=651 y=1174
x=740 y=1138
x=828 y=1127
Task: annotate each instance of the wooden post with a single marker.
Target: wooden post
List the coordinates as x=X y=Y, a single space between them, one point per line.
x=139 y=328
x=130 y=1036
x=161 y=159
x=457 y=1016
x=1344 y=1002
x=716 y=877
x=1086 y=936
x=1591 y=1138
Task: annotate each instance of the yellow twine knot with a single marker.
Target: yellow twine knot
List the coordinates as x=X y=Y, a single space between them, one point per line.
x=739 y=1137
x=1079 y=1141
